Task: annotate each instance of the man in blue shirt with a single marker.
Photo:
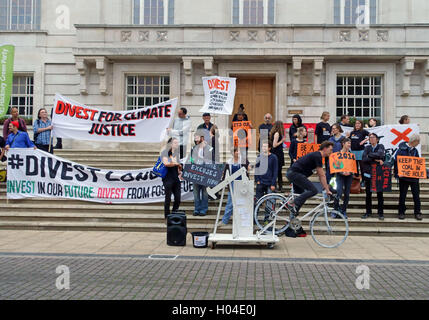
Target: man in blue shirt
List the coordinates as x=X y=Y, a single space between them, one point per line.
x=18 y=139
x=42 y=131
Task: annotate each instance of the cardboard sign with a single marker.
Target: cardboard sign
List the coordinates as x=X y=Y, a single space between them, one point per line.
x=342 y=162
x=381 y=178
x=238 y=134
x=219 y=95
x=208 y=175
x=411 y=167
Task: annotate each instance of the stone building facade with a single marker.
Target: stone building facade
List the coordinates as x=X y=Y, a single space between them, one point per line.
x=368 y=58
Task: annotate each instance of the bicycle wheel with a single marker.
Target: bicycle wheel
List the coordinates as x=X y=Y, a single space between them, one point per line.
x=268 y=208
x=327 y=231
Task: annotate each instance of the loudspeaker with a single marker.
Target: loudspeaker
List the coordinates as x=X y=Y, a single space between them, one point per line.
x=176 y=229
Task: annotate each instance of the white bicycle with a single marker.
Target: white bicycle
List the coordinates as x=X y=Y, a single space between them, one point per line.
x=328 y=227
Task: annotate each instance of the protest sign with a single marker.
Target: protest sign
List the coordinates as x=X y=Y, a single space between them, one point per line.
x=342 y=162
x=381 y=178
x=7 y=53
x=219 y=95
x=411 y=167
x=35 y=173
x=208 y=175
x=391 y=135
x=306 y=148
x=77 y=121
x=242 y=133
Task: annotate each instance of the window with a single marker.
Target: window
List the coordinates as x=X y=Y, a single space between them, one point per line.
x=22 y=95
x=360 y=96
x=143 y=91
x=153 y=12
x=20 y=14
x=253 y=12
x=355 y=11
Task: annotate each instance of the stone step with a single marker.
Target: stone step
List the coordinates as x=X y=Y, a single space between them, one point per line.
x=159 y=218
x=161 y=227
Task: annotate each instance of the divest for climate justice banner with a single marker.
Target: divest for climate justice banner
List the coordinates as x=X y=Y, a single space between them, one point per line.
x=76 y=121
x=38 y=174
x=219 y=95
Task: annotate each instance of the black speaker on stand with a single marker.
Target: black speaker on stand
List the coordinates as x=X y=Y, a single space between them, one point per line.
x=176 y=229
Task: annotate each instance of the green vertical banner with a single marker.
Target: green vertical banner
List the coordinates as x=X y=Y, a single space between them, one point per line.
x=6 y=76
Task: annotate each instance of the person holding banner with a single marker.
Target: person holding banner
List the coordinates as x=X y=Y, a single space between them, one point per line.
x=240 y=111
x=201 y=153
x=409 y=150
x=373 y=154
x=214 y=137
x=277 y=139
x=344 y=181
x=207 y=126
x=171 y=182
x=404 y=120
x=233 y=165
x=42 y=131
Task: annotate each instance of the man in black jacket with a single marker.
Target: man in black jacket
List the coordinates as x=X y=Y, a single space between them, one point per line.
x=373 y=154
x=408 y=149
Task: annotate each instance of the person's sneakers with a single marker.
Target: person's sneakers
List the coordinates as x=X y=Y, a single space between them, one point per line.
x=418 y=216
x=221 y=225
x=345 y=215
x=196 y=214
x=381 y=218
x=333 y=215
x=366 y=215
x=401 y=216
x=201 y=214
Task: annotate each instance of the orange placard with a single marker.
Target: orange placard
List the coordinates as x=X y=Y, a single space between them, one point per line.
x=306 y=148
x=411 y=167
x=241 y=138
x=342 y=162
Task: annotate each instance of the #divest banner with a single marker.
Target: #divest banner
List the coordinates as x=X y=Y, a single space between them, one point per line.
x=219 y=95
x=35 y=173
x=7 y=53
x=76 y=121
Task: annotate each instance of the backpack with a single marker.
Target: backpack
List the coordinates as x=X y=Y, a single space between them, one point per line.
x=159 y=169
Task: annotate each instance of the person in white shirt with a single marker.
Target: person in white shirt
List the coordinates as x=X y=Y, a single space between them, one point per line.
x=181 y=129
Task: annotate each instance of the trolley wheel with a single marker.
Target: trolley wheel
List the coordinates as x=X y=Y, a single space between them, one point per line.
x=213 y=245
x=270 y=245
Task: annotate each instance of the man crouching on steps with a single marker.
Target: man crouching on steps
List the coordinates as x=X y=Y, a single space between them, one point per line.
x=299 y=172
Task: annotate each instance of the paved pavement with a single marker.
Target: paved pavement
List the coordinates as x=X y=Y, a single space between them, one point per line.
x=114 y=265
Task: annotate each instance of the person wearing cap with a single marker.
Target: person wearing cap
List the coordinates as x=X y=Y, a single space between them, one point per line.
x=14 y=117
x=206 y=127
x=18 y=139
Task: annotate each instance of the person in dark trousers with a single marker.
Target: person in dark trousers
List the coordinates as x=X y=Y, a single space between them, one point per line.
x=170 y=158
x=303 y=168
x=265 y=129
x=359 y=137
x=2 y=150
x=14 y=116
x=323 y=128
x=296 y=123
x=277 y=138
x=373 y=154
x=344 y=183
x=410 y=150
x=42 y=131
x=265 y=171
x=293 y=151
x=240 y=111
x=336 y=139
